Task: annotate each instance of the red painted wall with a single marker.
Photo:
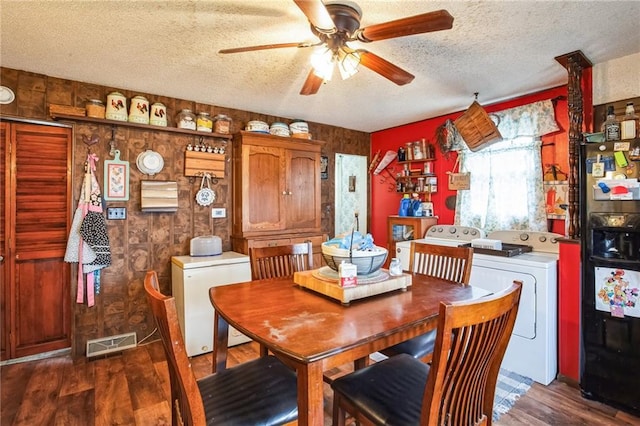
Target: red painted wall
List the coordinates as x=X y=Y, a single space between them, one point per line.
x=385 y=201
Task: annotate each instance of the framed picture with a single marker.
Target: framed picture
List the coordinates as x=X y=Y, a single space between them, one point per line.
x=324 y=167
x=116 y=179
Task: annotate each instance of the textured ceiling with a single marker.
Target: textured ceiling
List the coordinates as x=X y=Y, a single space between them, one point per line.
x=500 y=49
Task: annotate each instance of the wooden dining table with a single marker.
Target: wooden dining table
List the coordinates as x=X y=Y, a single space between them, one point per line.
x=313 y=333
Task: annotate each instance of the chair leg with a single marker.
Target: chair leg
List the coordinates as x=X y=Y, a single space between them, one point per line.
x=339 y=415
x=264 y=351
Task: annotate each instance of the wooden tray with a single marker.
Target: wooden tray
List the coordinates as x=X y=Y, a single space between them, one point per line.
x=331 y=289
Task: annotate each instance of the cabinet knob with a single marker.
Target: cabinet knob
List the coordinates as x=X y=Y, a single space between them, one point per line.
x=289 y=193
x=284 y=192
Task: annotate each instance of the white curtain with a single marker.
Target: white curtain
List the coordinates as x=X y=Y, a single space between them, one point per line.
x=506 y=177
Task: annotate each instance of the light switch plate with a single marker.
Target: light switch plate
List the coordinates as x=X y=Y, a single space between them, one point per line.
x=116 y=213
x=218 y=213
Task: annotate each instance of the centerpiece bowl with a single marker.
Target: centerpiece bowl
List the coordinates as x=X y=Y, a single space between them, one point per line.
x=367 y=261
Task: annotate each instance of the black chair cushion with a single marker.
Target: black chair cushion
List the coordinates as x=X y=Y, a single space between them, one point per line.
x=259 y=392
x=416 y=347
x=379 y=390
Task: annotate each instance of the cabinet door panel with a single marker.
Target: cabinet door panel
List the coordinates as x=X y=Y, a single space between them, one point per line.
x=303 y=193
x=263 y=184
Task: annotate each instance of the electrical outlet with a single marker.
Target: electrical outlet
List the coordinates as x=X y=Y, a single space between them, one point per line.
x=116 y=213
x=218 y=213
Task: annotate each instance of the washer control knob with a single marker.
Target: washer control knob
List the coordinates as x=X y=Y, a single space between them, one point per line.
x=474 y=232
x=542 y=238
x=440 y=229
x=524 y=237
x=465 y=231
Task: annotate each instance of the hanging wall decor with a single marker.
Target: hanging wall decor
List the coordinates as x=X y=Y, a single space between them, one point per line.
x=116 y=179
x=324 y=167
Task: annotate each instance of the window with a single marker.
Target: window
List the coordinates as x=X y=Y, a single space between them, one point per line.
x=506 y=187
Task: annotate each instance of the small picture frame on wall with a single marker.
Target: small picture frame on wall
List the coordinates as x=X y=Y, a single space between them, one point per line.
x=324 y=167
x=116 y=179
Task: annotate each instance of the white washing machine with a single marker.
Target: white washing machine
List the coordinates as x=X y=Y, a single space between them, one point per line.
x=533 y=349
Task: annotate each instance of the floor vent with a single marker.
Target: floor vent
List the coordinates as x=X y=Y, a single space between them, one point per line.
x=108 y=345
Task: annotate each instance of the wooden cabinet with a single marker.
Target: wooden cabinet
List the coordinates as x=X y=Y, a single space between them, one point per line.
x=403 y=228
x=276 y=191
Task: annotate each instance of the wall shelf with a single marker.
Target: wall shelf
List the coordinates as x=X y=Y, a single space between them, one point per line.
x=58 y=116
x=198 y=163
x=422 y=160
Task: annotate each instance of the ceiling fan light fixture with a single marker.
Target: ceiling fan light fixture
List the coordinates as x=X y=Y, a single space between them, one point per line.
x=348 y=61
x=322 y=61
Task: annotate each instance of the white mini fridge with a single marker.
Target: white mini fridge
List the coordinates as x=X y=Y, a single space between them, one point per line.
x=191 y=279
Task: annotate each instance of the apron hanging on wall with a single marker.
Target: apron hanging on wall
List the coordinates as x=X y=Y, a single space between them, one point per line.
x=88 y=242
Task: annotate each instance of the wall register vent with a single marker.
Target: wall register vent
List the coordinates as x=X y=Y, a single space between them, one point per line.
x=107 y=345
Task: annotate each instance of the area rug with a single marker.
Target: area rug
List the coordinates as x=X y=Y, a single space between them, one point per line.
x=510 y=387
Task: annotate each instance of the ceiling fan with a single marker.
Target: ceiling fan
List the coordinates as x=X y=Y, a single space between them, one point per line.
x=338 y=22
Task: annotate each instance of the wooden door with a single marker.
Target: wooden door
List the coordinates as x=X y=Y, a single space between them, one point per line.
x=4 y=200
x=263 y=192
x=36 y=215
x=303 y=191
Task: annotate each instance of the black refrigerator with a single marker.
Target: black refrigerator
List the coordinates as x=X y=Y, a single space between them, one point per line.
x=610 y=282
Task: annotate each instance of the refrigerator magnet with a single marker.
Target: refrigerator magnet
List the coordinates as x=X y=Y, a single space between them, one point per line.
x=597 y=169
x=621 y=160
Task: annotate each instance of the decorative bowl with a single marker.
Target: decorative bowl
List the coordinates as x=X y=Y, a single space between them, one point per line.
x=367 y=262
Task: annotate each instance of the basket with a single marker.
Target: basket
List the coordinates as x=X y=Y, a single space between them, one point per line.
x=476 y=128
x=367 y=262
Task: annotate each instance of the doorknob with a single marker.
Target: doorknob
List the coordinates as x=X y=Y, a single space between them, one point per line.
x=1 y=259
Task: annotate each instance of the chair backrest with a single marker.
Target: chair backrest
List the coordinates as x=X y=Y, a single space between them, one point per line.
x=471 y=340
x=280 y=261
x=186 y=402
x=448 y=263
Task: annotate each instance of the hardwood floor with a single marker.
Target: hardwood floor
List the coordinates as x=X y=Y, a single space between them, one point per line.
x=133 y=388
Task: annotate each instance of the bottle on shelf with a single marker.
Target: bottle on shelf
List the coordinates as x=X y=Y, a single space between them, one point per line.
x=405 y=205
x=629 y=123
x=402 y=154
x=611 y=126
x=409 y=151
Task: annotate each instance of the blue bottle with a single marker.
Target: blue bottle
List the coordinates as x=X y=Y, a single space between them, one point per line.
x=405 y=206
x=416 y=207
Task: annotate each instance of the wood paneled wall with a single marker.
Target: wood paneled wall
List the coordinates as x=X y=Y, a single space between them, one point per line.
x=148 y=240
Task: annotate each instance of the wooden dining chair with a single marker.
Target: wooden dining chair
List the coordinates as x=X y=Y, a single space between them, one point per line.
x=458 y=387
x=280 y=261
x=448 y=263
x=262 y=391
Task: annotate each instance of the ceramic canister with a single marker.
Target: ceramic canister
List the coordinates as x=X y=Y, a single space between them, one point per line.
x=139 y=110
x=158 y=115
x=116 y=107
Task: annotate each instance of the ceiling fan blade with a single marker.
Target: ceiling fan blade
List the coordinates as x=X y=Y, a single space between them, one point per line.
x=317 y=14
x=267 y=46
x=385 y=68
x=311 y=84
x=419 y=24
